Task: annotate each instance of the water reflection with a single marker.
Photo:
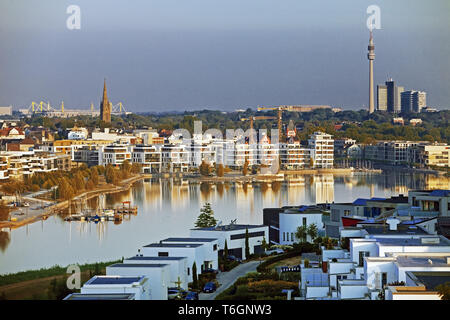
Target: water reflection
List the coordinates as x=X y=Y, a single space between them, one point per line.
x=170 y=207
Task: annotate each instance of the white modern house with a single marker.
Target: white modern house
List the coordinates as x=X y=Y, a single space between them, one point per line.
x=139 y=286
x=234 y=235
x=158 y=276
x=210 y=250
x=178 y=267
x=292 y=218
x=193 y=253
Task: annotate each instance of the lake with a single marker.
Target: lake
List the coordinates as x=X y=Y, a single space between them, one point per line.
x=169 y=208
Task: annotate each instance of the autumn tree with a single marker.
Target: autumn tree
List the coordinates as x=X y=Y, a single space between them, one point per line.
x=220 y=170
x=205 y=169
x=245 y=168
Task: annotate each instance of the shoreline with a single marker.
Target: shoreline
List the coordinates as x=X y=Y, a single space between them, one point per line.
x=54 y=209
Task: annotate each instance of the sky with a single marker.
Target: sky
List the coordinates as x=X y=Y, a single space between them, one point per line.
x=176 y=55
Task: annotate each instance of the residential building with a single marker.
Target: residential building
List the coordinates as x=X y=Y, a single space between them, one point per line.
x=158 y=275
x=139 y=286
x=178 y=267
x=234 y=236
x=381 y=98
x=322 y=150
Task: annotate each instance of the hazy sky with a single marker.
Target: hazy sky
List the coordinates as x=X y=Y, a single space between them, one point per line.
x=161 y=55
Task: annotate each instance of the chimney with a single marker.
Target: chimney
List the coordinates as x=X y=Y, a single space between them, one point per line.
x=393 y=223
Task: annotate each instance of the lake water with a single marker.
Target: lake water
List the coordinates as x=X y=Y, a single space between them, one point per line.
x=169 y=208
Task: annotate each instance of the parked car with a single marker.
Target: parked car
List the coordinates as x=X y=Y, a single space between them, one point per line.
x=233 y=258
x=211 y=271
x=209 y=287
x=274 y=251
x=174 y=293
x=191 y=296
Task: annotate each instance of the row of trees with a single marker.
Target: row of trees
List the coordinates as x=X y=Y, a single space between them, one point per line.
x=67 y=184
x=377 y=125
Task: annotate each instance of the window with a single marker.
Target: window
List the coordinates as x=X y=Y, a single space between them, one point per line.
x=383 y=279
x=215 y=247
x=304 y=222
x=284 y=236
x=250 y=235
x=163 y=254
x=292 y=236
x=363 y=254
x=189 y=272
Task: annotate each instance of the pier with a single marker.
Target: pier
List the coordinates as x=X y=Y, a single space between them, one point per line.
x=116 y=214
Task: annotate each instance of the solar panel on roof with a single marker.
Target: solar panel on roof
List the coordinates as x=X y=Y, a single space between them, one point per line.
x=115 y=280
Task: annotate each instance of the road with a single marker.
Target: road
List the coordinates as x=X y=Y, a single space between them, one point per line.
x=226 y=279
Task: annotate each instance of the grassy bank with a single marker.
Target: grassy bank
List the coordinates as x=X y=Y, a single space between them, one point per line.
x=11 y=278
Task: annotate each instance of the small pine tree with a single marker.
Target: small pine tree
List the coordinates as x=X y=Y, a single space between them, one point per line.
x=206 y=217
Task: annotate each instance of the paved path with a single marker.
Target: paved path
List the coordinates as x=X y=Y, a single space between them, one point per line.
x=226 y=279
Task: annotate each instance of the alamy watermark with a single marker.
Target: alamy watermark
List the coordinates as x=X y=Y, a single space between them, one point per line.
x=74 y=280
x=374 y=19
x=73 y=22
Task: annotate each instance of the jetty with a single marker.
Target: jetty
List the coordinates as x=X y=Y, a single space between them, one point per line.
x=115 y=214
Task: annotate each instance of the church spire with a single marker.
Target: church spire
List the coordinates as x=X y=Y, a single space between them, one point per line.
x=105 y=107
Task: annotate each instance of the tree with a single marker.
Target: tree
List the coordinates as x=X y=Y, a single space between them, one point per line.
x=444 y=291
x=264 y=244
x=312 y=231
x=136 y=168
x=245 y=168
x=247 y=246
x=225 y=250
x=220 y=170
x=204 y=169
x=301 y=233
x=194 y=276
x=206 y=218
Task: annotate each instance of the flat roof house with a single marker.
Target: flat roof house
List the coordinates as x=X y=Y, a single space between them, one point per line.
x=158 y=276
x=139 y=286
x=193 y=253
x=104 y=296
x=178 y=267
x=210 y=250
x=234 y=235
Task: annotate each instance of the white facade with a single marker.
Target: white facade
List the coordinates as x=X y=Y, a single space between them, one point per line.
x=292 y=219
x=139 y=286
x=210 y=249
x=193 y=253
x=234 y=235
x=158 y=276
x=178 y=267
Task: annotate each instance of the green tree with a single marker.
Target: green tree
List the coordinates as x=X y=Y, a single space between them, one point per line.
x=301 y=233
x=247 y=246
x=206 y=217
x=264 y=244
x=312 y=231
x=225 y=250
x=194 y=276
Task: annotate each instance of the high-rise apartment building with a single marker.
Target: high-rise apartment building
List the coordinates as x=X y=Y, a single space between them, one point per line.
x=381 y=98
x=393 y=96
x=413 y=101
